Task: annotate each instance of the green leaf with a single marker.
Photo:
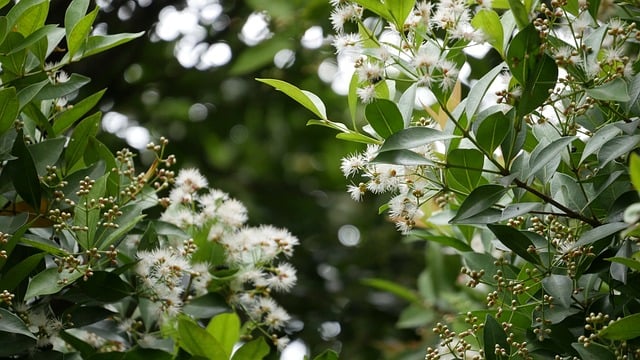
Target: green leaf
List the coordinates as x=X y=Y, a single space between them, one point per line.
x=516 y=209
x=13 y=64
x=206 y=306
x=479 y=89
x=357 y=137
x=99 y=43
x=27 y=16
x=11 y=323
x=225 y=328
x=594 y=351
x=633 y=105
x=304 y=98
x=488 y=21
x=493 y=335
x=50 y=281
x=406 y=104
x=14 y=276
x=81 y=315
x=384 y=117
x=8 y=108
x=490 y=133
x=256 y=349
x=626 y=328
x=516 y=241
x=45 y=245
x=87 y=214
x=598 y=139
x=197 y=341
x=42 y=33
x=83 y=347
x=23 y=174
x=479 y=200
x=377 y=7
x=615 y=90
x=105 y=286
x=399 y=10
x=617 y=147
x=75 y=12
x=125 y=224
x=51 y=91
x=545 y=154
x=634 y=170
x=393 y=288
x=465 y=168
x=519 y=13
x=326 y=355
x=80 y=138
x=600 y=232
x=560 y=287
x=77 y=36
x=444 y=240
x=414 y=137
x=630 y=263
x=28 y=93
x=46 y=153
x=402 y=157
x=256 y=57
x=415 y=316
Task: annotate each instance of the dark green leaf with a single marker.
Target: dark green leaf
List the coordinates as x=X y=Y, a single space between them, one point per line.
x=546 y=153
x=99 y=43
x=15 y=62
x=515 y=240
x=28 y=93
x=414 y=137
x=106 y=287
x=77 y=36
x=24 y=175
x=85 y=348
x=75 y=12
x=384 y=117
x=197 y=341
x=65 y=119
x=11 y=323
x=326 y=355
x=633 y=105
x=50 y=281
x=600 y=232
x=630 y=263
x=513 y=210
x=356 y=137
x=52 y=91
x=255 y=349
x=40 y=34
x=598 y=139
x=393 y=288
x=206 y=306
x=444 y=240
x=12 y=278
x=225 y=327
x=45 y=245
x=618 y=270
x=9 y=106
x=465 y=168
x=479 y=89
x=493 y=335
x=46 y=153
x=87 y=315
x=402 y=157
x=594 y=351
x=79 y=140
x=615 y=90
x=560 y=287
x=491 y=132
x=480 y=199
x=304 y=98
x=626 y=328
x=27 y=16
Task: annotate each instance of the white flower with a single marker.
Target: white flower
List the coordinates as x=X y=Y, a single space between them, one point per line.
x=367 y=93
x=426 y=58
x=200 y=278
x=357 y=192
x=348 y=44
x=465 y=31
x=277 y=318
x=191 y=180
x=351 y=164
x=449 y=74
x=233 y=213
x=281 y=342
x=179 y=195
x=283 y=277
x=370 y=71
x=343 y=14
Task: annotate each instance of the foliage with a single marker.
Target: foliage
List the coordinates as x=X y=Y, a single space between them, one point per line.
x=524 y=181
x=89 y=267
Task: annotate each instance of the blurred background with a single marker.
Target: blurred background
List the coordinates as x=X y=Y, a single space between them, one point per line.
x=191 y=78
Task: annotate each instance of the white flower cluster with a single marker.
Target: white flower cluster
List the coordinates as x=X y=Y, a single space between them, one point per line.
x=412 y=186
x=253 y=252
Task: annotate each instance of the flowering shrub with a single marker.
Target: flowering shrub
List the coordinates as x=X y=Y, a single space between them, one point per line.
x=521 y=177
x=88 y=267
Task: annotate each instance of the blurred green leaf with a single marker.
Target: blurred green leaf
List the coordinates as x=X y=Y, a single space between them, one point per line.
x=384 y=117
x=225 y=327
x=393 y=288
x=415 y=316
x=444 y=240
x=256 y=57
x=326 y=355
x=519 y=13
x=255 y=349
x=626 y=328
x=206 y=306
x=197 y=341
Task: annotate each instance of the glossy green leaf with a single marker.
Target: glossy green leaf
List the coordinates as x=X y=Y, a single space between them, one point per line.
x=480 y=199
x=225 y=328
x=12 y=278
x=399 y=10
x=13 y=64
x=516 y=241
x=406 y=104
x=594 y=351
x=87 y=214
x=206 y=306
x=393 y=288
x=45 y=245
x=24 y=175
x=197 y=341
x=402 y=157
x=414 y=137
x=312 y=103
x=615 y=90
x=626 y=328
x=105 y=286
x=465 y=168
x=443 y=240
x=491 y=132
x=633 y=105
x=560 y=287
x=488 y=21
x=384 y=117
x=599 y=233
x=547 y=153
x=40 y=33
x=479 y=89
x=617 y=147
x=256 y=349
x=514 y=210
x=28 y=15
x=628 y=262
x=493 y=335
x=597 y=140
x=50 y=281
x=356 y=137
x=28 y=93
x=75 y=12
x=11 y=323
x=80 y=138
x=100 y=43
x=46 y=153
x=634 y=170
x=519 y=13
x=52 y=91
x=8 y=108
x=77 y=36
x=376 y=6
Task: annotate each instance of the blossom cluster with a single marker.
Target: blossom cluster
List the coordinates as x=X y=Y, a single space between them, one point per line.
x=253 y=253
